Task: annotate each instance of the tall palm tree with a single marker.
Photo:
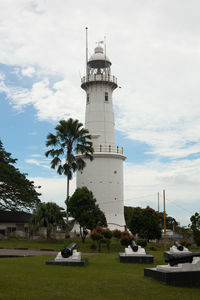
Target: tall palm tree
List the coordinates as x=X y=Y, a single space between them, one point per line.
x=70 y=138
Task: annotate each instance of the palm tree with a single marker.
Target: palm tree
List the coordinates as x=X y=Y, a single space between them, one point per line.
x=48 y=215
x=70 y=138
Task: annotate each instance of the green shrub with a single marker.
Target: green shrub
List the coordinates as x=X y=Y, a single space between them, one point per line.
x=117 y=234
x=141 y=242
x=99 y=229
x=107 y=233
x=96 y=236
x=185 y=243
x=125 y=233
x=93 y=246
x=125 y=240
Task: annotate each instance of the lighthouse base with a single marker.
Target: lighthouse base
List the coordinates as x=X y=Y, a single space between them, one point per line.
x=104 y=177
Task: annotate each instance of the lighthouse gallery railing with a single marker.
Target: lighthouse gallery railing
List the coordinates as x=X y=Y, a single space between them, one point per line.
x=108 y=148
x=99 y=77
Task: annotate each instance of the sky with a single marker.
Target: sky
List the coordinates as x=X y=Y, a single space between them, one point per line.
x=154 y=47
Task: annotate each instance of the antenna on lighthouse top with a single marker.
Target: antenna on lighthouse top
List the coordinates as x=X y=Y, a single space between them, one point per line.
x=86 y=31
x=105 y=51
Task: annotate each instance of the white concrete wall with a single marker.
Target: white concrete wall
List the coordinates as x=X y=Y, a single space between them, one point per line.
x=104 y=177
x=99 y=117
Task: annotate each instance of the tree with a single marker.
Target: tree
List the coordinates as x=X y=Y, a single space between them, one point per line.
x=171 y=222
x=195 y=219
x=128 y=210
x=145 y=223
x=16 y=191
x=83 y=208
x=48 y=215
x=70 y=138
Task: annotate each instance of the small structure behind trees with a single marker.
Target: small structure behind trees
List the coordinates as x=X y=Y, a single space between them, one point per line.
x=83 y=208
x=47 y=215
x=14 y=224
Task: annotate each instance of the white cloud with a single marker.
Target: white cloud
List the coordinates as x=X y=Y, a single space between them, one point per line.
x=36 y=155
x=33 y=133
x=54 y=189
x=154 y=49
x=59 y=102
x=29 y=71
x=2 y=76
x=180 y=179
x=38 y=161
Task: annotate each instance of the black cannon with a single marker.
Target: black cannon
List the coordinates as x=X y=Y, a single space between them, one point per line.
x=179 y=246
x=174 y=258
x=68 y=251
x=134 y=246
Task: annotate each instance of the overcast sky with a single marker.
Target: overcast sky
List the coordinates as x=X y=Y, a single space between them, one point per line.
x=154 y=46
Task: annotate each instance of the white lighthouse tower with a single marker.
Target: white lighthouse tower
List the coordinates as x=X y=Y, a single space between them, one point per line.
x=104 y=175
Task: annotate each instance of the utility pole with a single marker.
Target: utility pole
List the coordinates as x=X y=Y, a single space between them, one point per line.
x=158 y=203
x=164 y=220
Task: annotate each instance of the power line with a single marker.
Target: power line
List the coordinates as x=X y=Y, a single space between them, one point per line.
x=179 y=206
x=145 y=196
x=107 y=202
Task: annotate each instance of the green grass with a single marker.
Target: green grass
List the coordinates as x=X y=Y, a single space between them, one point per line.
x=103 y=278
x=61 y=243
x=56 y=244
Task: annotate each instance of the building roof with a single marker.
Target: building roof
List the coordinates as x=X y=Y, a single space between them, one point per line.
x=14 y=216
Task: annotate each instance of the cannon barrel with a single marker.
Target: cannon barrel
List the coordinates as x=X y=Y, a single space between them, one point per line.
x=174 y=259
x=134 y=246
x=179 y=246
x=68 y=251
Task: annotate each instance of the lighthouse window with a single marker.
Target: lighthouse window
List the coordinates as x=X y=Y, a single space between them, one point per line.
x=106 y=96
x=88 y=98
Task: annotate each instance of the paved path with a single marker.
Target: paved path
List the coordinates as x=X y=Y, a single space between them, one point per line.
x=16 y=253
x=21 y=253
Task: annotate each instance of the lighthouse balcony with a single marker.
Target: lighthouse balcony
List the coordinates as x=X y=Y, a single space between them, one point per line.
x=98 y=78
x=108 y=148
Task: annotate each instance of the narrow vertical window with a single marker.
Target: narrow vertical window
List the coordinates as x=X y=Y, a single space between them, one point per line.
x=88 y=98
x=106 y=96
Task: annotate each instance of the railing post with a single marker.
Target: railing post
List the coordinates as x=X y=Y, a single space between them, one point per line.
x=109 y=148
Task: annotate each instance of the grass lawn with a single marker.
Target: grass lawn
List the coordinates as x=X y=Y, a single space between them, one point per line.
x=56 y=244
x=104 y=278
x=61 y=243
